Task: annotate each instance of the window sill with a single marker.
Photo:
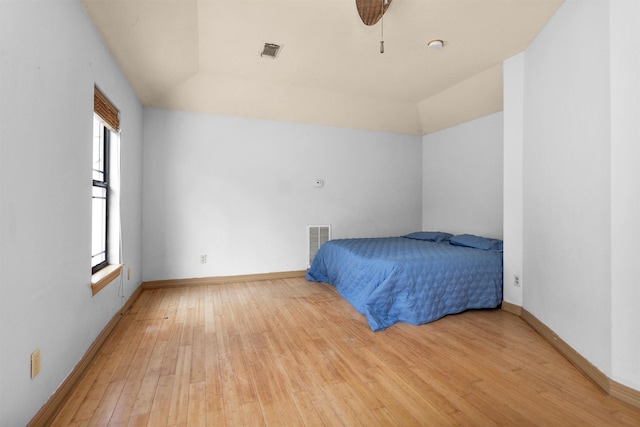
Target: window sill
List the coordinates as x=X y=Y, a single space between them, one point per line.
x=105 y=276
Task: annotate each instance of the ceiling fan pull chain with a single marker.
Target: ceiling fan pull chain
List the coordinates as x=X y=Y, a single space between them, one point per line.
x=382 y=29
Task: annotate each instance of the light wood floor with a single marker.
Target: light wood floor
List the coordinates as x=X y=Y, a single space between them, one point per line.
x=294 y=353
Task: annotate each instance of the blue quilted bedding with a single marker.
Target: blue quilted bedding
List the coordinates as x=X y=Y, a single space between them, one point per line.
x=396 y=279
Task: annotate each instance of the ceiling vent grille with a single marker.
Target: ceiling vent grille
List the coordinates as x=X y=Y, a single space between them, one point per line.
x=318 y=235
x=271 y=50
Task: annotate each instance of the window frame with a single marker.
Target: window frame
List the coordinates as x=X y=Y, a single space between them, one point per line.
x=104 y=185
x=109 y=118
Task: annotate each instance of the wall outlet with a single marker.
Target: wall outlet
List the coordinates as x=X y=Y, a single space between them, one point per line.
x=203 y=259
x=128 y=274
x=516 y=280
x=35 y=363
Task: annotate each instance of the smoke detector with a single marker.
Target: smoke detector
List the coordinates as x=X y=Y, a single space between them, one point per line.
x=271 y=50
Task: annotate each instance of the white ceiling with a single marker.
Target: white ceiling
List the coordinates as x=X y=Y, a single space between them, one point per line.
x=204 y=55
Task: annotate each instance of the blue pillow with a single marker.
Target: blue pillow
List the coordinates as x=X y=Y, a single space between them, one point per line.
x=478 y=242
x=431 y=236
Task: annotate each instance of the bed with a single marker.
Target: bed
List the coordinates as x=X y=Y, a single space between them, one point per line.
x=417 y=278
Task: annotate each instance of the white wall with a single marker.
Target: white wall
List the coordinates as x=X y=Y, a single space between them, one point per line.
x=462 y=178
x=50 y=59
x=513 y=145
x=567 y=179
x=581 y=186
x=625 y=191
x=242 y=191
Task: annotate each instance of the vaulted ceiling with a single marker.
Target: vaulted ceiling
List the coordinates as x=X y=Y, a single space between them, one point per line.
x=204 y=56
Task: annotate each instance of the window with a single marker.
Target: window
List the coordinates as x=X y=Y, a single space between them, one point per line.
x=105 y=215
x=100 y=195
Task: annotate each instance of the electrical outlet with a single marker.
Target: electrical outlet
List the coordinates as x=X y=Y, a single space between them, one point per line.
x=35 y=363
x=516 y=280
x=203 y=259
x=128 y=274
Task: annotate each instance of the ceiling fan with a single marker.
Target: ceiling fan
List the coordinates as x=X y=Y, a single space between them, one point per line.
x=371 y=11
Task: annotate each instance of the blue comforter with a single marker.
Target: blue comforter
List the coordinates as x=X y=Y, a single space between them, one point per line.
x=397 y=279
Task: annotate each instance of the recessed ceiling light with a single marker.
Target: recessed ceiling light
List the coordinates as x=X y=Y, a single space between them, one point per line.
x=270 y=50
x=435 y=44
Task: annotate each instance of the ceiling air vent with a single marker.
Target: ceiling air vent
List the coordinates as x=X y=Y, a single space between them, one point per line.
x=271 y=50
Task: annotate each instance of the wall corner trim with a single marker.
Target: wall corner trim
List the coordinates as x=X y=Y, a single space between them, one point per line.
x=512 y=308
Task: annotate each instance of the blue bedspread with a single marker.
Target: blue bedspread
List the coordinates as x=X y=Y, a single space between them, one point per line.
x=397 y=279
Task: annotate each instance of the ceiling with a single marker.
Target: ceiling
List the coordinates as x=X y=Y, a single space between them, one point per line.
x=204 y=56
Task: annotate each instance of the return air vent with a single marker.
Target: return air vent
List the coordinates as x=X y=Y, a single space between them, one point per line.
x=271 y=50
x=318 y=235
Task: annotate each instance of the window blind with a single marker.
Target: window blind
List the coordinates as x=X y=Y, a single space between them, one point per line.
x=105 y=109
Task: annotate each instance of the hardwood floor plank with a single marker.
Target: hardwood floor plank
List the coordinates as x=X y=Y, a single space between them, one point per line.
x=281 y=413
x=240 y=371
x=212 y=366
x=198 y=356
x=234 y=415
x=306 y=409
x=197 y=412
x=353 y=359
x=159 y=412
x=178 y=411
x=384 y=417
x=360 y=401
x=459 y=398
x=291 y=352
x=149 y=382
x=170 y=360
x=263 y=371
x=344 y=411
x=415 y=404
x=253 y=414
x=133 y=380
x=323 y=406
x=104 y=375
x=81 y=393
x=215 y=410
x=107 y=405
x=392 y=406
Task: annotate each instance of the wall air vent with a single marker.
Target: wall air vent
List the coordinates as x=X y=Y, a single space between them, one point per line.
x=318 y=235
x=271 y=50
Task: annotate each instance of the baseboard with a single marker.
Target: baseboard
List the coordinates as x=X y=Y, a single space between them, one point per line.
x=50 y=409
x=512 y=308
x=593 y=373
x=611 y=387
x=216 y=280
x=624 y=393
